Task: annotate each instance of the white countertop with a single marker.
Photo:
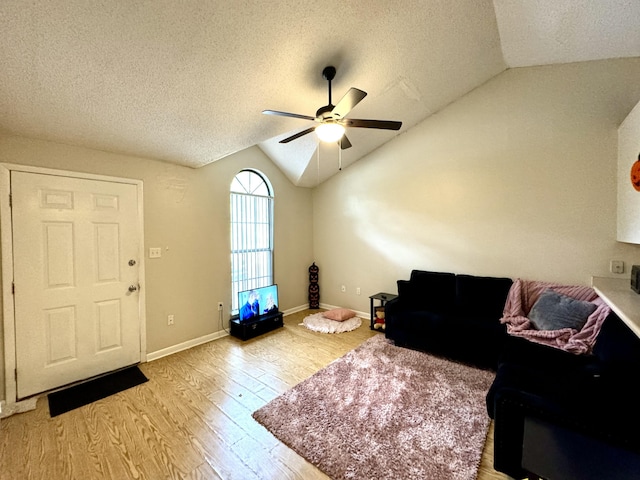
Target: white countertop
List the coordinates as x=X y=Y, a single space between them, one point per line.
x=622 y=300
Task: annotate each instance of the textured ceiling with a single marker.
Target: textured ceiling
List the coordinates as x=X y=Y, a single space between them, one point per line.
x=543 y=32
x=185 y=82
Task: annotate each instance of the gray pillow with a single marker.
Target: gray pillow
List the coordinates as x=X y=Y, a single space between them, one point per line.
x=554 y=311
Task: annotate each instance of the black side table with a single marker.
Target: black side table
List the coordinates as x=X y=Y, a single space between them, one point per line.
x=382 y=298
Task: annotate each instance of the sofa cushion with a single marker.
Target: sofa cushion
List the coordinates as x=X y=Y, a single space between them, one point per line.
x=406 y=291
x=475 y=342
x=423 y=322
x=432 y=291
x=481 y=297
x=553 y=311
x=538 y=356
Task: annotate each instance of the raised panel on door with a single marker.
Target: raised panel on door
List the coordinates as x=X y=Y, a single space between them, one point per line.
x=108 y=325
x=60 y=328
x=106 y=252
x=59 y=255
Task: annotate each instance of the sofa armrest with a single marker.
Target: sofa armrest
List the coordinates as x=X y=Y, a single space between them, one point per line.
x=393 y=310
x=394 y=306
x=508 y=434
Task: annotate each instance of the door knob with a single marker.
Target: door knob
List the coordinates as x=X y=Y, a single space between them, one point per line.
x=132 y=288
x=132 y=263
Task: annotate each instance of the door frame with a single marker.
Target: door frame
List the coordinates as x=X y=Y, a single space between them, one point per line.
x=6 y=244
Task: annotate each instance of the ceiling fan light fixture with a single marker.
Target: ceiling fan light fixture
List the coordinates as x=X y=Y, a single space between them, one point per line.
x=330 y=132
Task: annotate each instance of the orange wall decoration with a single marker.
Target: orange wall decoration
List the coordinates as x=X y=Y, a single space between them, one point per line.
x=635 y=174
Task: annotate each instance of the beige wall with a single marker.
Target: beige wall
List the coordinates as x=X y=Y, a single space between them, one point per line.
x=187 y=211
x=517 y=178
x=628 y=196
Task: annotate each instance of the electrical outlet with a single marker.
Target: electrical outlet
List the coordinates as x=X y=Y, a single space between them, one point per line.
x=219 y=305
x=155 y=252
x=343 y=289
x=617 y=266
x=170 y=319
x=358 y=291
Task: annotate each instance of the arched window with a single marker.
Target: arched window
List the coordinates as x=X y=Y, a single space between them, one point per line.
x=251 y=233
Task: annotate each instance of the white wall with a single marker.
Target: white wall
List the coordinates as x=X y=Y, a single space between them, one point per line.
x=628 y=197
x=517 y=179
x=187 y=211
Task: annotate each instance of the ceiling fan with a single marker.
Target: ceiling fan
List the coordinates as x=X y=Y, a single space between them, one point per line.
x=332 y=117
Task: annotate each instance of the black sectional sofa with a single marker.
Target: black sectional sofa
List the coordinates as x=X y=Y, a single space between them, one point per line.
x=456 y=316
x=556 y=414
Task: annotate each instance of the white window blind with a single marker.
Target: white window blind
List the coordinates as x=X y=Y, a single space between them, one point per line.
x=251 y=234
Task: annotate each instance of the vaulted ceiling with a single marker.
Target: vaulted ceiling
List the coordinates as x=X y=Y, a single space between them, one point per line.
x=185 y=82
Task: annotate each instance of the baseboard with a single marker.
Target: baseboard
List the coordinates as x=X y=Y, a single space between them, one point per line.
x=297 y=309
x=324 y=306
x=179 y=347
x=365 y=315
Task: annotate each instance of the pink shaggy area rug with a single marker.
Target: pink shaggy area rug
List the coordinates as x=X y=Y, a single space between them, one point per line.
x=383 y=411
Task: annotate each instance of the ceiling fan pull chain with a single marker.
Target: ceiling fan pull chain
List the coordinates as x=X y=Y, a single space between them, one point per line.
x=340 y=154
x=318 y=162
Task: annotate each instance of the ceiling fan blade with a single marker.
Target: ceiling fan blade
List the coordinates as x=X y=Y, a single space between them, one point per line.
x=287 y=114
x=381 y=124
x=344 y=143
x=346 y=103
x=297 y=135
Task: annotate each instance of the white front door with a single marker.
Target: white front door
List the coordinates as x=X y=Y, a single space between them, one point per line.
x=76 y=246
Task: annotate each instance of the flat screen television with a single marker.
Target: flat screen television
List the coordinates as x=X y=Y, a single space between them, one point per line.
x=257 y=302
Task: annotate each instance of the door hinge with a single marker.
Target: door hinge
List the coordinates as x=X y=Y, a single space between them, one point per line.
x=10 y=200
x=15 y=374
x=13 y=288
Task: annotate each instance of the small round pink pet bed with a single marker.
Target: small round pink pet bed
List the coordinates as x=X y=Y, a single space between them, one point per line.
x=319 y=323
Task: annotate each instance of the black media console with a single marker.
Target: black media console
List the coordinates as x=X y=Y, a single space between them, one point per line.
x=252 y=328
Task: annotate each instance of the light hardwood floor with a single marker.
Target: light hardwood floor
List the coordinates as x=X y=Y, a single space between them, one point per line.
x=191 y=420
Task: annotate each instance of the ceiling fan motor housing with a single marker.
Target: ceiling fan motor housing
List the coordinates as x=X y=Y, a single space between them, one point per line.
x=329 y=73
x=325 y=112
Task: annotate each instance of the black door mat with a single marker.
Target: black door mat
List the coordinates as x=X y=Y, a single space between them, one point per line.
x=88 y=392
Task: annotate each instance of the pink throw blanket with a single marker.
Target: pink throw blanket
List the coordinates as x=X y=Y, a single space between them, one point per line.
x=522 y=296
